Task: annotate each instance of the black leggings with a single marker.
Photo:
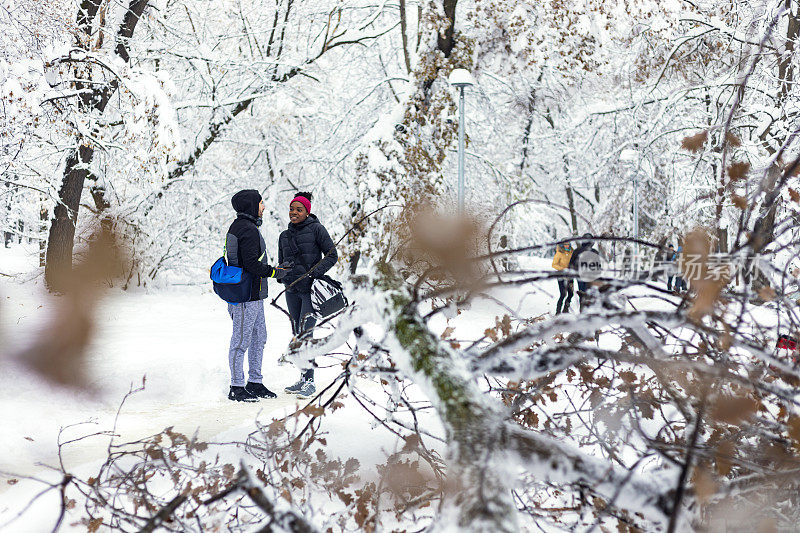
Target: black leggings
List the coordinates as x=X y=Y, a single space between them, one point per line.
x=299 y=304
x=565 y=291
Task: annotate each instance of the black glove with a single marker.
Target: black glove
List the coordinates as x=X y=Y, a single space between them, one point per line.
x=279 y=272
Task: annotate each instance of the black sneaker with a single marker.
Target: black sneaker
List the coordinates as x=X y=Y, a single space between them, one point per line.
x=257 y=389
x=240 y=394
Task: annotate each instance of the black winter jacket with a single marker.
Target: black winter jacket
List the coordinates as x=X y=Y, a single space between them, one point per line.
x=244 y=244
x=585 y=246
x=305 y=244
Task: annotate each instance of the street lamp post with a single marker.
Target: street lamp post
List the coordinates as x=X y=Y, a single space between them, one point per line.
x=633 y=155
x=636 y=215
x=462 y=79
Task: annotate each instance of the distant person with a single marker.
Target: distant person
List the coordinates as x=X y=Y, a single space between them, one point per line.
x=670 y=265
x=583 y=284
x=245 y=248
x=680 y=283
x=627 y=264
x=308 y=246
x=565 y=286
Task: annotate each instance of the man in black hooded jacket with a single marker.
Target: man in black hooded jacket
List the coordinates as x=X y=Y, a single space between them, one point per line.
x=245 y=248
x=574 y=262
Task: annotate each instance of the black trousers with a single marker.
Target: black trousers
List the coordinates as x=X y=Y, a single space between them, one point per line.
x=300 y=309
x=565 y=292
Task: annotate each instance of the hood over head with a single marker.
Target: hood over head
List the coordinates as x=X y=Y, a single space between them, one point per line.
x=246 y=202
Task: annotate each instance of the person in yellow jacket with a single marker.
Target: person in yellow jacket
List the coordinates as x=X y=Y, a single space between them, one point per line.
x=565 y=290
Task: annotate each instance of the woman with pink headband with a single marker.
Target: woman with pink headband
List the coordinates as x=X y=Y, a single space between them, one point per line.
x=307 y=245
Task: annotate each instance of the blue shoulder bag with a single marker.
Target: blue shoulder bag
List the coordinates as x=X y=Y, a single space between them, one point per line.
x=231 y=283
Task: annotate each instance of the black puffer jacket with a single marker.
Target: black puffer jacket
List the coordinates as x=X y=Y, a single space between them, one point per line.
x=573 y=261
x=305 y=244
x=244 y=244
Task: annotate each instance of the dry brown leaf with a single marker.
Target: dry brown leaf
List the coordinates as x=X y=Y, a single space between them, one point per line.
x=794 y=429
x=58 y=354
x=766 y=293
x=738 y=171
x=412 y=443
x=313 y=410
x=448 y=244
x=739 y=201
x=695 y=143
x=275 y=428
x=768 y=525
x=505 y=325
x=723 y=458
x=705 y=486
x=794 y=195
x=694 y=264
x=732 y=139
x=94 y=524
x=734 y=409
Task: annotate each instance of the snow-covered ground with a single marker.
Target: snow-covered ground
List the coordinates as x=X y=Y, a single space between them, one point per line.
x=176 y=339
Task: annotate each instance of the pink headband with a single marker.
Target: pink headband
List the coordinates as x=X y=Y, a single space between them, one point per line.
x=303 y=200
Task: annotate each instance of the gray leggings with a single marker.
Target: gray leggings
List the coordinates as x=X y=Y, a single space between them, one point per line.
x=299 y=304
x=249 y=335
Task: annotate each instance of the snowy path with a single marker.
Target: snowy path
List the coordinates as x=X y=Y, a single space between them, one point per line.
x=177 y=339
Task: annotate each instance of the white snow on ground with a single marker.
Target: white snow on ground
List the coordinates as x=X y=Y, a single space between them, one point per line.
x=178 y=338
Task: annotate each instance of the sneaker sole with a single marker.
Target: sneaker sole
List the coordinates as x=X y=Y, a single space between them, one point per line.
x=254 y=400
x=268 y=396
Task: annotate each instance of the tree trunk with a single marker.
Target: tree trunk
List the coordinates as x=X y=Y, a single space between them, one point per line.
x=785 y=64
x=42 y=233
x=61 y=240
x=447 y=39
x=404 y=30
x=525 y=139
x=58 y=260
x=572 y=215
